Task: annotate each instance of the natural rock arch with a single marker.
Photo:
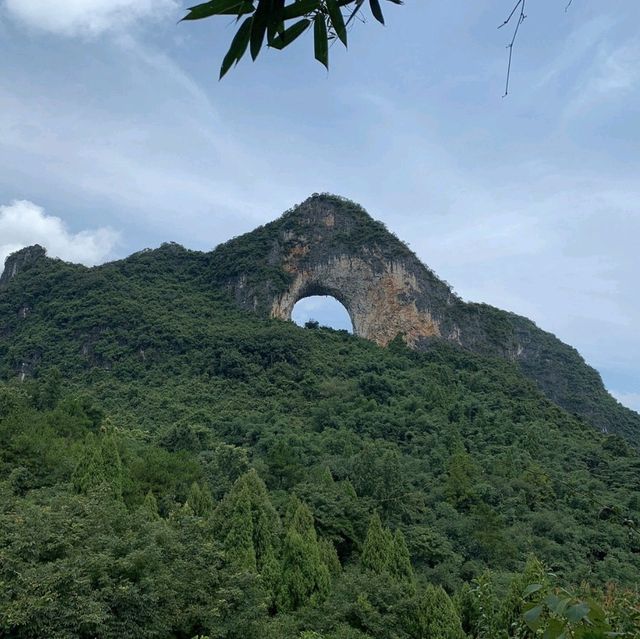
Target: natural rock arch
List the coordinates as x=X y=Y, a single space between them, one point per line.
x=376 y=299
x=324 y=309
x=330 y=246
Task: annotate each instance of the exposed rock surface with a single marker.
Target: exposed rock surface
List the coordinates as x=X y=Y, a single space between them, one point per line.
x=18 y=260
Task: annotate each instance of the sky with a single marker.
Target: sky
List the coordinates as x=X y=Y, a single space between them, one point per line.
x=115 y=135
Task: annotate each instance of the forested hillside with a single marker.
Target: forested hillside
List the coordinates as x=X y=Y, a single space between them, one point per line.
x=173 y=467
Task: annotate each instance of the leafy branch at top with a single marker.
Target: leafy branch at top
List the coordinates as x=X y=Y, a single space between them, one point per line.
x=280 y=24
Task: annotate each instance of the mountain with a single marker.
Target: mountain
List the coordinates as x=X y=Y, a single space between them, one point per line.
x=175 y=461
x=331 y=246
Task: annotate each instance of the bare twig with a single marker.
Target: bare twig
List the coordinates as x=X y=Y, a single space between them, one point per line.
x=521 y=16
x=568 y=5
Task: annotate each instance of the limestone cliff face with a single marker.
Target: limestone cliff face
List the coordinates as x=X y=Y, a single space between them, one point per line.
x=330 y=246
x=18 y=260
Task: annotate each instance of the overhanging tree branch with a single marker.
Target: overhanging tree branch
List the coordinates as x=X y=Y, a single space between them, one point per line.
x=521 y=17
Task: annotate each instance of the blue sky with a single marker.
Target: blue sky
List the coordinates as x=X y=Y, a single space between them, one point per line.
x=116 y=135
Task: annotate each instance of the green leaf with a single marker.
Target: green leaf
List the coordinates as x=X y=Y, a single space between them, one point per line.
x=290 y=34
x=577 y=612
x=557 y=605
x=218 y=8
x=376 y=10
x=320 y=40
x=238 y=46
x=596 y=613
x=530 y=589
x=532 y=617
x=337 y=20
x=359 y=3
x=554 y=630
x=553 y=602
x=300 y=8
x=259 y=27
x=275 y=24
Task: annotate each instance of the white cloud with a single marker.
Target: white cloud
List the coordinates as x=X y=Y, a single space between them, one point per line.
x=23 y=223
x=613 y=74
x=85 y=17
x=631 y=400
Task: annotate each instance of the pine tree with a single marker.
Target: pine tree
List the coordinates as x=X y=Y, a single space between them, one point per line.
x=270 y=574
x=199 y=500
x=330 y=556
x=149 y=507
x=89 y=473
x=401 y=567
x=111 y=463
x=305 y=577
x=248 y=501
x=239 y=539
x=461 y=477
x=265 y=519
x=435 y=616
x=378 y=550
x=99 y=466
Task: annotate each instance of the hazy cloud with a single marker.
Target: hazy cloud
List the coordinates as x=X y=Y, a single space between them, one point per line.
x=23 y=223
x=85 y=17
x=613 y=74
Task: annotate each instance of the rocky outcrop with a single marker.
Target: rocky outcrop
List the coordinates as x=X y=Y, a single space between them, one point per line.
x=331 y=246
x=17 y=261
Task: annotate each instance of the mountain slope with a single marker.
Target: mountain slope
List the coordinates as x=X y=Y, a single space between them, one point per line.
x=143 y=378
x=329 y=245
x=268 y=270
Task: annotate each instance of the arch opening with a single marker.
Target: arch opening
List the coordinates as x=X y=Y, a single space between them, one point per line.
x=326 y=310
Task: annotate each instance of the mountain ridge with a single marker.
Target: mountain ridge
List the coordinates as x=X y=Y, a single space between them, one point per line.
x=330 y=245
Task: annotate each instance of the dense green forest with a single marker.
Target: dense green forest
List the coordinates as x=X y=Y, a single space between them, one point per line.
x=173 y=467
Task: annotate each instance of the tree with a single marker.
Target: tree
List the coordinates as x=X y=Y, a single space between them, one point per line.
x=99 y=465
x=248 y=522
x=305 y=576
x=401 y=560
x=200 y=500
x=281 y=24
x=386 y=553
x=377 y=553
x=239 y=539
x=330 y=20
x=435 y=616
